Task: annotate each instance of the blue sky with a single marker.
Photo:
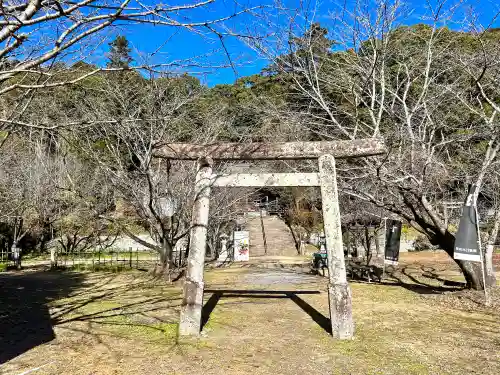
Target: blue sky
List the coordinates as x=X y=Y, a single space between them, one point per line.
x=179 y=44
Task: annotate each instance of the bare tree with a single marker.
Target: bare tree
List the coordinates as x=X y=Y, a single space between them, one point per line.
x=38 y=37
x=82 y=199
x=134 y=120
x=29 y=198
x=424 y=88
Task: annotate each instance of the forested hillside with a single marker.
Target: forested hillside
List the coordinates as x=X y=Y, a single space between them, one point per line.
x=78 y=159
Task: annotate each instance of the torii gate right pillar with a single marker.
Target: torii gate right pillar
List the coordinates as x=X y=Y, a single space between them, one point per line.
x=339 y=292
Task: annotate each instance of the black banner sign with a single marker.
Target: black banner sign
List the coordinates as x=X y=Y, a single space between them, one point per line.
x=466 y=240
x=392 y=241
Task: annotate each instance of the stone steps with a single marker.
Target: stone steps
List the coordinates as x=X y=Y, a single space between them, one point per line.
x=278 y=237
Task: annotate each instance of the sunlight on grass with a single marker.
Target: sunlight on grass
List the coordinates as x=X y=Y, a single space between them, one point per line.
x=159 y=333
x=406 y=326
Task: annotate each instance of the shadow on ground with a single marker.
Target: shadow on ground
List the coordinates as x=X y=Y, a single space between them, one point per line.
x=418 y=284
x=293 y=295
x=25 y=321
x=33 y=303
x=424 y=280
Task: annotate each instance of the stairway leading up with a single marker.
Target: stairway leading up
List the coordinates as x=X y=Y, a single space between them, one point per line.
x=278 y=237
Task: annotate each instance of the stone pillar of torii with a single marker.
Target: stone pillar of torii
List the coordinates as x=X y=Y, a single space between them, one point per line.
x=339 y=293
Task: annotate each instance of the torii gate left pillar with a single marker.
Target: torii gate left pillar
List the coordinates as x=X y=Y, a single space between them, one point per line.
x=339 y=293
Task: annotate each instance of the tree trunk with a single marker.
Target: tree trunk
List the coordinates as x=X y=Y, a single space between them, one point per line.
x=377 y=241
x=368 y=245
x=295 y=236
x=166 y=258
x=491 y=279
x=490 y=244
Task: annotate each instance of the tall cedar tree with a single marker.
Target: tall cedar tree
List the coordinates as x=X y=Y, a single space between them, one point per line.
x=119 y=53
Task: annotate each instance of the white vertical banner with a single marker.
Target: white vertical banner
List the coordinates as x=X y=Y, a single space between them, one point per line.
x=241 y=246
x=466 y=239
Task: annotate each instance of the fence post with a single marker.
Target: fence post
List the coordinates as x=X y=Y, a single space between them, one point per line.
x=130 y=257
x=137 y=258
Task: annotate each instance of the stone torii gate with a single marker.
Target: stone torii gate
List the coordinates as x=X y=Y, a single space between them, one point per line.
x=339 y=293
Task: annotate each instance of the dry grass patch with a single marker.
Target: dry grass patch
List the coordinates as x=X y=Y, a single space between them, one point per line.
x=265 y=322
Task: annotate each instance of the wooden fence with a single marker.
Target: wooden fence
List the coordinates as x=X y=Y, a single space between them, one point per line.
x=93 y=259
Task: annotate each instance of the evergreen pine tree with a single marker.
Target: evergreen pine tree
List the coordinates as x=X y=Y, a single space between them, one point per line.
x=119 y=53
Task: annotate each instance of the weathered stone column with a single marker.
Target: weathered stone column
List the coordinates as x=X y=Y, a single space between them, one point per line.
x=339 y=293
x=223 y=253
x=192 y=302
x=53 y=257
